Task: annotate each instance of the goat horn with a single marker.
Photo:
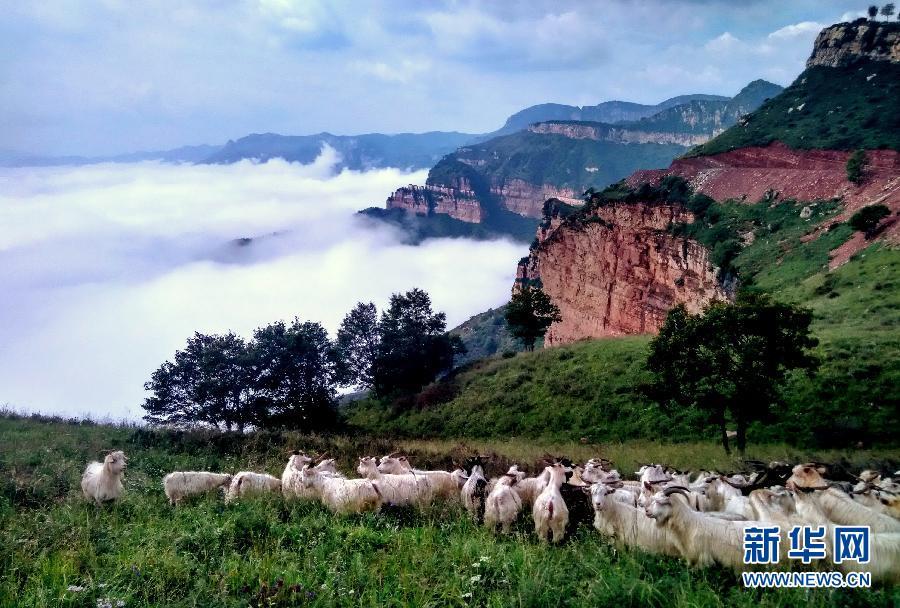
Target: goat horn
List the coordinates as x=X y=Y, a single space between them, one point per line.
x=675 y=489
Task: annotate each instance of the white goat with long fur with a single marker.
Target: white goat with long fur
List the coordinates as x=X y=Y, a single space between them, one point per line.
x=341 y=495
x=528 y=488
x=247 y=483
x=102 y=481
x=291 y=481
x=178 y=485
x=884 y=562
x=703 y=540
x=550 y=513
x=398 y=490
x=841 y=509
x=445 y=485
x=629 y=525
x=474 y=492
x=502 y=505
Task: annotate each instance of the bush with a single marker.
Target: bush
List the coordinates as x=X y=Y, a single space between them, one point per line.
x=867 y=219
x=856 y=166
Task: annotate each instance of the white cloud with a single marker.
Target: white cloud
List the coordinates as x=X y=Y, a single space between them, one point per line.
x=108 y=269
x=804 y=29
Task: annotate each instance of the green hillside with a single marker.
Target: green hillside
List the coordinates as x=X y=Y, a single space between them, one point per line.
x=825 y=108
x=593 y=388
x=486 y=334
x=547 y=158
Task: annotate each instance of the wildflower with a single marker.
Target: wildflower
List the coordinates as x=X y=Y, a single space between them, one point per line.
x=104 y=603
x=467 y=595
x=475 y=579
x=120 y=603
x=74 y=588
x=484 y=558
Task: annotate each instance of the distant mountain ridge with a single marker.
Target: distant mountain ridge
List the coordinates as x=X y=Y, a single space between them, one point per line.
x=502 y=183
x=608 y=112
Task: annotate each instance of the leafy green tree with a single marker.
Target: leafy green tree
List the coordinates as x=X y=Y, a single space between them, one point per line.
x=529 y=314
x=856 y=166
x=887 y=10
x=731 y=361
x=295 y=374
x=866 y=220
x=207 y=383
x=414 y=346
x=873 y=11
x=357 y=343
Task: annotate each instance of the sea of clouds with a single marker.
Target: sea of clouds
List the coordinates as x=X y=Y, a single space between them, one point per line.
x=105 y=270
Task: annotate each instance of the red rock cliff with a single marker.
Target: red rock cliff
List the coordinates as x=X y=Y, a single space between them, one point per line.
x=805 y=175
x=620 y=271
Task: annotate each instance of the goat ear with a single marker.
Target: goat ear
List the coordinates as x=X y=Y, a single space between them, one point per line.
x=648 y=486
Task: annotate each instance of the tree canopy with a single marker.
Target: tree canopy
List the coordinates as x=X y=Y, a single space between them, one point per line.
x=730 y=361
x=530 y=313
x=413 y=347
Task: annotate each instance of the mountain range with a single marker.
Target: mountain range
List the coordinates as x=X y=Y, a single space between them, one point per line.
x=498 y=186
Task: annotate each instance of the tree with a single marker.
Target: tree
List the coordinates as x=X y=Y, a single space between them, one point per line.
x=866 y=220
x=207 y=383
x=357 y=343
x=856 y=165
x=529 y=313
x=873 y=12
x=414 y=347
x=887 y=10
x=730 y=361
x=295 y=373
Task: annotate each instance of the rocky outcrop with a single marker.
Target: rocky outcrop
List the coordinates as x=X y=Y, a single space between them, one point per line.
x=527 y=199
x=754 y=172
x=460 y=204
x=619 y=271
x=844 y=44
x=602 y=132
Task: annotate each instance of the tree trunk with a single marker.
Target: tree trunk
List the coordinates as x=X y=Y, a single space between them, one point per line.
x=724 y=436
x=741 y=436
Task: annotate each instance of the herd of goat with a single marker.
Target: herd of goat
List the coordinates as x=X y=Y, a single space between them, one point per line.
x=664 y=511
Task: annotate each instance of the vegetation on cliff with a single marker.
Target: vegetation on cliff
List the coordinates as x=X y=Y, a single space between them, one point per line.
x=841 y=108
x=549 y=158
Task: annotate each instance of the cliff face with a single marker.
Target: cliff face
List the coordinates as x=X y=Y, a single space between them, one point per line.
x=620 y=271
x=458 y=203
x=601 y=132
x=844 y=44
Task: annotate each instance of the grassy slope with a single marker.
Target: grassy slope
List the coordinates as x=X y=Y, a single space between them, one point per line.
x=205 y=553
x=827 y=108
x=486 y=334
x=592 y=388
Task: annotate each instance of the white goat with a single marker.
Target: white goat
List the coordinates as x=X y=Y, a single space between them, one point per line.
x=444 y=485
x=246 y=483
x=841 y=509
x=629 y=525
x=474 y=492
x=102 y=481
x=703 y=540
x=291 y=482
x=398 y=490
x=550 y=513
x=341 y=495
x=179 y=485
x=528 y=488
x=502 y=504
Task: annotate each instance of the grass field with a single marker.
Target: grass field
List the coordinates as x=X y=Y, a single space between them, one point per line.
x=266 y=552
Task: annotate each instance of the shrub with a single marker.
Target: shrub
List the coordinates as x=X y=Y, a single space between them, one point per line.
x=856 y=164
x=866 y=220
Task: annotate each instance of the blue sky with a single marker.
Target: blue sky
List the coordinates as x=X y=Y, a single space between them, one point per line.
x=108 y=76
